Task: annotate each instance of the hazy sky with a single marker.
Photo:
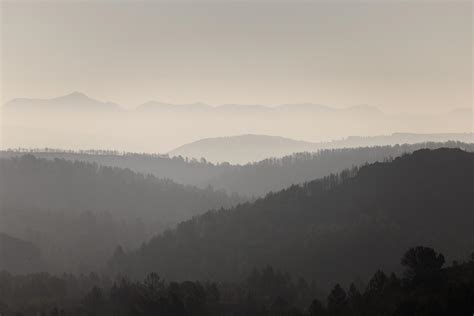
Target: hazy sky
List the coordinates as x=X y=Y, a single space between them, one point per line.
x=398 y=56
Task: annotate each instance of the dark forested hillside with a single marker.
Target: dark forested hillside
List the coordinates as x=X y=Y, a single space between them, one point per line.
x=330 y=230
x=18 y=256
x=255 y=179
x=78 y=212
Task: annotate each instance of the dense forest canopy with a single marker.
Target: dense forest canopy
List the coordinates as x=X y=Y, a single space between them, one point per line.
x=369 y=215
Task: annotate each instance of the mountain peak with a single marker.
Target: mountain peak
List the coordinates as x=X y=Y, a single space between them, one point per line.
x=73 y=101
x=75 y=96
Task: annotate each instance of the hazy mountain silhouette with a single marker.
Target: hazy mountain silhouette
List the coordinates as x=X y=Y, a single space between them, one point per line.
x=255 y=108
x=75 y=101
x=167 y=107
x=250 y=148
x=147 y=128
x=329 y=230
x=242 y=148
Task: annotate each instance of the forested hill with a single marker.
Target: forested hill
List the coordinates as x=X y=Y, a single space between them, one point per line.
x=78 y=212
x=60 y=184
x=256 y=179
x=179 y=169
x=329 y=230
x=276 y=174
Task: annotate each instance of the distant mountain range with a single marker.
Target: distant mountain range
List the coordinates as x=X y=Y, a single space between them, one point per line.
x=249 y=148
x=76 y=121
x=297 y=107
x=80 y=101
x=72 y=101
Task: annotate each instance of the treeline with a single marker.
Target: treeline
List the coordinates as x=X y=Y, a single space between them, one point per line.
x=275 y=174
x=59 y=184
x=255 y=179
x=78 y=212
x=178 y=169
x=425 y=288
x=369 y=215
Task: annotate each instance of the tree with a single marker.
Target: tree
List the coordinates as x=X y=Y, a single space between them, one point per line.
x=355 y=300
x=94 y=301
x=377 y=284
x=337 y=301
x=421 y=261
x=316 y=308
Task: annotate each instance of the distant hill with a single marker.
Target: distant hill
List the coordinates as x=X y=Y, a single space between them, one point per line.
x=256 y=179
x=75 y=101
x=18 y=256
x=330 y=230
x=243 y=149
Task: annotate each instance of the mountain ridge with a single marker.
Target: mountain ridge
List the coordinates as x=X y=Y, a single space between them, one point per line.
x=72 y=101
x=245 y=148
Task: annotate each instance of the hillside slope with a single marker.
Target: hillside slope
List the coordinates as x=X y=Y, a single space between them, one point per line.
x=332 y=229
x=78 y=212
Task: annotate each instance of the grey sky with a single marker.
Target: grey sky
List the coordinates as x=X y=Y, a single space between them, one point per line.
x=398 y=56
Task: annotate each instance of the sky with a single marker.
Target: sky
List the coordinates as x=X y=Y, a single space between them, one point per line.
x=399 y=56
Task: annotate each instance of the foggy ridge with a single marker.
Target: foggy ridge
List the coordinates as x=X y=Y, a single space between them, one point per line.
x=242 y=149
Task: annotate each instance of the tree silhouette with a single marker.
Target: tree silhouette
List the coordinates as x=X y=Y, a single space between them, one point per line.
x=316 y=308
x=94 y=302
x=337 y=301
x=421 y=261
